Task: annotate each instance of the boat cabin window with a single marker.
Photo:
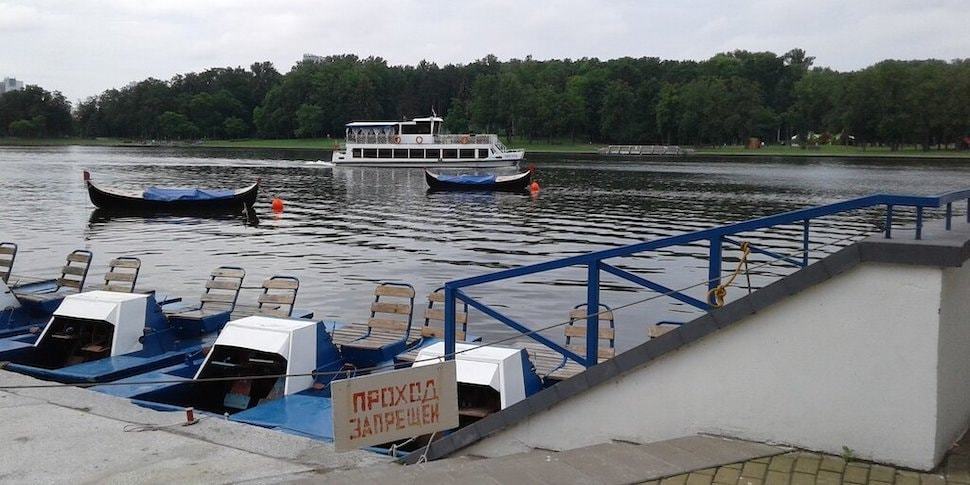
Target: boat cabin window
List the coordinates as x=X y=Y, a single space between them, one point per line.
x=476 y=402
x=71 y=341
x=483 y=153
x=384 y=153
x=357 y=153
x=370 y=153
x=417 y=153
x=419 y=128
x=400 y=153
x=435 y=154
x=466 y=153
x=239 y=394
x=450 y=153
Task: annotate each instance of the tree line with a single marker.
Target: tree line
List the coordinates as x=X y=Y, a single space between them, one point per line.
x=722 y=100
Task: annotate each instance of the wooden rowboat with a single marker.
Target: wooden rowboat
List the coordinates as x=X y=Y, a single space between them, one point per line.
x=155 y=199
x=516 y=182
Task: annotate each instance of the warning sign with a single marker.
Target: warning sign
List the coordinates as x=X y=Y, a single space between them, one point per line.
x=379 y=408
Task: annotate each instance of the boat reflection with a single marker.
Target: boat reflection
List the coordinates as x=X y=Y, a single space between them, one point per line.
x=100 y=217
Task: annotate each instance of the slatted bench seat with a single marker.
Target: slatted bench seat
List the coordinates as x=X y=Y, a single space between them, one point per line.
x=122 y=275
x=553 y=365
x=8 y=253
x=388 y=331
x=221 y=292
x=434 y=322
x=276 y=300
x=72 y=278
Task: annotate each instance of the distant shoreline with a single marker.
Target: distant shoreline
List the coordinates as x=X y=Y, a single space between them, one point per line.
x=538 y=148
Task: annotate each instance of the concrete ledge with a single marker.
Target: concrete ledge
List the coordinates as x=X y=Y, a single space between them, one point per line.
x=71 y=435
x=938 y=247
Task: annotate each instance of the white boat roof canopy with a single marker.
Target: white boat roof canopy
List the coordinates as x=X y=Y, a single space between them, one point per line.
x=372 y=124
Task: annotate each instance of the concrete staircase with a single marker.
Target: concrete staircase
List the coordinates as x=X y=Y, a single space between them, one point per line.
x=611 y=463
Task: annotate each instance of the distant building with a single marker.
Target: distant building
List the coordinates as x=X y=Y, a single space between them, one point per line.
x=10 y=84
x=313 y=58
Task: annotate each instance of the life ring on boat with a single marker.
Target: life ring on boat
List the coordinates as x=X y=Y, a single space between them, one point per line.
x=463 y=140
x=419 y=140
x=396 y=139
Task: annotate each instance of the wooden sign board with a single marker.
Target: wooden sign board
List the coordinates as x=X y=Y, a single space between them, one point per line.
x=389 y=406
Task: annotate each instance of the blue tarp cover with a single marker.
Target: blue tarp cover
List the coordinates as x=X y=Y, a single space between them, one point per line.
x=468 y=179
x=157 y=193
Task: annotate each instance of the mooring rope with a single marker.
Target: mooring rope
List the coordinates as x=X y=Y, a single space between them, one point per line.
x=716 y=296
x=430 y=359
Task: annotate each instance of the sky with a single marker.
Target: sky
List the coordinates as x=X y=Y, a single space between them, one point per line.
x=84 y=47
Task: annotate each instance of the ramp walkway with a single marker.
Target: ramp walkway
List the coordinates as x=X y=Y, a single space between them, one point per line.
x=821 y=358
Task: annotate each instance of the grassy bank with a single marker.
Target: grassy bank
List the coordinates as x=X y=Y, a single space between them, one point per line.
x=833 y=151
x=555 y=146
x=12 y=141
x=296 y=144
x=327 y=144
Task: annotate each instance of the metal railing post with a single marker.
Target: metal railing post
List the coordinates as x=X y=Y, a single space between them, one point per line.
x=919 y=222
x=889 y=221
x=805 y=243
x=449 y=322
x=592 y=312
x=949 y=214
x=714 y=267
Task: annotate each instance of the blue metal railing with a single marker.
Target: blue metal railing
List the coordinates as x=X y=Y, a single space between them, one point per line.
x=715 y=237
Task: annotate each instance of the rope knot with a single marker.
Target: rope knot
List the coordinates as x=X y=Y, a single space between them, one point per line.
x=718 y=294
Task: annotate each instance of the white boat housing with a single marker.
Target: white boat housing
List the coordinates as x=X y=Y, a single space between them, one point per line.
x=505 y=370
x=295 y=340
x=419 y=143
x=124 y=312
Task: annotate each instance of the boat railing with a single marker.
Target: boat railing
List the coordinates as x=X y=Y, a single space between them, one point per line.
x=459 y=139
x=372 y=138
x=715 y=239
x=464 y=139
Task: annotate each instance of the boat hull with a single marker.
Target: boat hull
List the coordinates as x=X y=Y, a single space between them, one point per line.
x=114 y=202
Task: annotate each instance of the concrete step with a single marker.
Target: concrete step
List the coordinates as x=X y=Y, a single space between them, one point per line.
x=610 y=463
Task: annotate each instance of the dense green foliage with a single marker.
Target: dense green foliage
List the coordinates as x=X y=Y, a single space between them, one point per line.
x=216 y=103
x=723 y=100
x=34 y=112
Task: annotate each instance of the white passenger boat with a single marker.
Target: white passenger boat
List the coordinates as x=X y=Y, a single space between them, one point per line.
x=419 y=143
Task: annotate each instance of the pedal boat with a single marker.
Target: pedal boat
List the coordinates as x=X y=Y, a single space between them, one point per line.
x=101 y=336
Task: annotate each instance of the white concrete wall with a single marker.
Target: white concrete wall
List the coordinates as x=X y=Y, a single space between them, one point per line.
x=954 y=360
x=850 y=362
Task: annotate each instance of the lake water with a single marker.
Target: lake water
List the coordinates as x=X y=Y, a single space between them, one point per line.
x=345 y=229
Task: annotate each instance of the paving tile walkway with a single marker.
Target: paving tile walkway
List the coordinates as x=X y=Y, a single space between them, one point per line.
x=806 y=468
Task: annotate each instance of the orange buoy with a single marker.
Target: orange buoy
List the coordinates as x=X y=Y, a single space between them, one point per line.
x=277 y=204
x=534 y=187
